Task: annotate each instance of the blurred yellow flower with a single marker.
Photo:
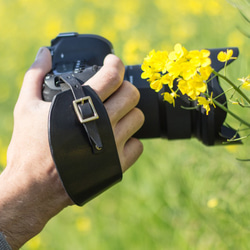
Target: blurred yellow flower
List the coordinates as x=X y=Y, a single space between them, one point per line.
x=232 y=148
x=134 y=49
x=212 y=203
x=122 y=22
x=183 y=31
x=83 y=224
x=235 y=39
x=109 y=33
x=213 y=7
x=3 y=155
x=196 y=7
x=53 y=26
x=3 y=158
x=34 y=243
x=245 y=82
x=81 y=18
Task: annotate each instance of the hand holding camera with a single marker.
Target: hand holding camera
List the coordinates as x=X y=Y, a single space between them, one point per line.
x=32 y=181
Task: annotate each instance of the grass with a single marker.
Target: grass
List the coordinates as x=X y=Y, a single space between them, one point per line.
x=164 y=204
x=180 y=194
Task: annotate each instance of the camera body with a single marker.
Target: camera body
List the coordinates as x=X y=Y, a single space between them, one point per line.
x=83 y=55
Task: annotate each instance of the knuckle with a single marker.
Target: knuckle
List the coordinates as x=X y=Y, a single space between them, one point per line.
x=114 y=76
x=29 y=73
x=114 y=69
x=114 y=60
x=133 y=92
x=34 y=73
x=139 y=116
x=139 y=147
x=20 y=109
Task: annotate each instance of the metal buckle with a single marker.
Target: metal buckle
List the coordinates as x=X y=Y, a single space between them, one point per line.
x=78 y=113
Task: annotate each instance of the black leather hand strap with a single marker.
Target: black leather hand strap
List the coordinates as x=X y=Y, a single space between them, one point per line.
x=85 y=111
x=84 y=172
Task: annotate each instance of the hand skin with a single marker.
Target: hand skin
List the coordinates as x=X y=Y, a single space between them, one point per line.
x=30 y=188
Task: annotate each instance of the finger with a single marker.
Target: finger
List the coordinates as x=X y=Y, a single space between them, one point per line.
x=124 y=100
x=131 y=152
x=109 y=78
x=127 y=127
x=129 y=149
x=33 y=80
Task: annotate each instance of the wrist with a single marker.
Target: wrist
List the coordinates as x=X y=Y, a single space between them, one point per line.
x=28 y=202
x=14 y=217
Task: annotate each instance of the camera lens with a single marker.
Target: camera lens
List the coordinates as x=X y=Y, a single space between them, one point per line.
x=183 y=121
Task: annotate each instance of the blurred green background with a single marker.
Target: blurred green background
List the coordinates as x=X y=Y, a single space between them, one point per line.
x=179 y=194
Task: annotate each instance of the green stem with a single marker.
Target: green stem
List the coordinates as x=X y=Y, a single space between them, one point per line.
x=233 y=85
x=218 y=104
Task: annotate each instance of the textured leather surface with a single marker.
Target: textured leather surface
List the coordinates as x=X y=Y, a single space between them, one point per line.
x=83 y=173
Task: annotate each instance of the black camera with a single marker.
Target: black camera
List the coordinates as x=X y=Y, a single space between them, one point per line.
x=83 y=55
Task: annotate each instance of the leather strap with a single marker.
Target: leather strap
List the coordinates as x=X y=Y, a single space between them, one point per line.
x=85 y=111
x=84 y=172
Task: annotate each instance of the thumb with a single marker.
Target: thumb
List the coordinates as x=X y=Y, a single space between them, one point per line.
x=33 y=80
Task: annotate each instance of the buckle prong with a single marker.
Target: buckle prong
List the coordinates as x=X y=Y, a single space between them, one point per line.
x=81 y=101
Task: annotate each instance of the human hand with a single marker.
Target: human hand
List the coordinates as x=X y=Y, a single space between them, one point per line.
x=120 y=98
x=31 y=190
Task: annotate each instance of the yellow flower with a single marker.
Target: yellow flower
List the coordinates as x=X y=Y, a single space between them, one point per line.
x=225 y=56
x=148 y=72
x=188 y=70
x=170 y=97
x=199 y=58
x=156 y=85
x=205 y=72
x=192 y=87
x=156 y=82
x=245 y=82
x=178 y=53
x=157 y=60
x=206 y=103
x=147 y=61
x=173 y=68
x=168 y=80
